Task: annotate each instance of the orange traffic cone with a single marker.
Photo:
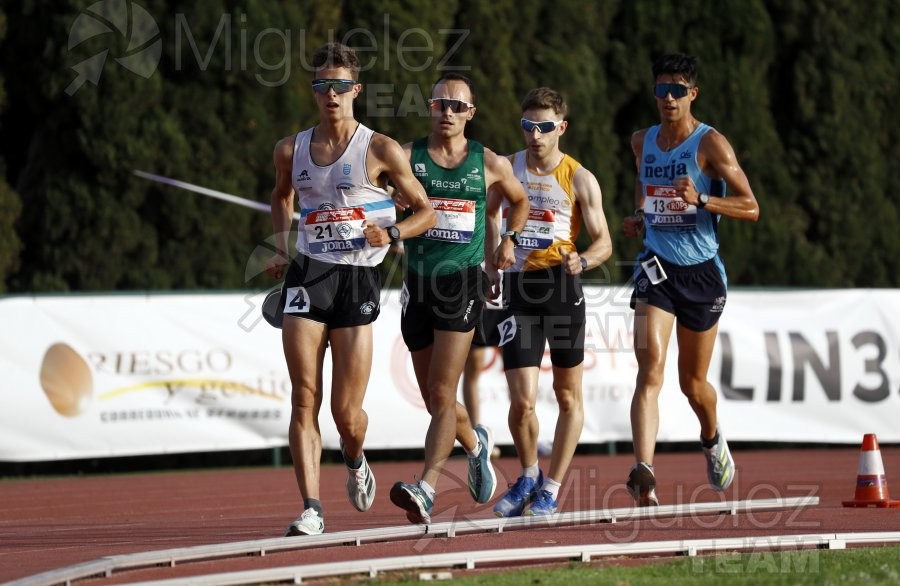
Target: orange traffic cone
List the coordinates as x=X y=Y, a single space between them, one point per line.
x=871 y=485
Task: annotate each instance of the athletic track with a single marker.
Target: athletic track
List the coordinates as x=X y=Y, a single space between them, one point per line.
x=52 y=523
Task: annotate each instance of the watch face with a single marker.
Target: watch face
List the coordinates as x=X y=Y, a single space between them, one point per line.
x=394 y=232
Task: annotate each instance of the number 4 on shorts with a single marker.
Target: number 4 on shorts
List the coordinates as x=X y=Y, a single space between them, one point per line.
x=296 y=300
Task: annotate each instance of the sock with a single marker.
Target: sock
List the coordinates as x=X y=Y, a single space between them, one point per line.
x=315 y=505
x=710 y=442
x=355 y=463
x=427 y=488
x=476 y=451
x=551 y=486
x=532 y=471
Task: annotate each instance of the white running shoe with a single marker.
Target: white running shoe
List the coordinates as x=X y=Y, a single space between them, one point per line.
x=361 y=486
x=308 y=523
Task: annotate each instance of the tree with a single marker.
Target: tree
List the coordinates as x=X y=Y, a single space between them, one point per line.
x=10 y=204
x=201 y=92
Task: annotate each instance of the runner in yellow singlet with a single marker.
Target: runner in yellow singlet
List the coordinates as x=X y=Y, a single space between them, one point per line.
x=545 y=299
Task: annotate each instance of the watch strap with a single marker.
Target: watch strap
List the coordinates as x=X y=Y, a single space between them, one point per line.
x=513 y=235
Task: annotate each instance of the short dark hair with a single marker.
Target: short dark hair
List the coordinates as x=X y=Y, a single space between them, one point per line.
x=456 y=77
x=544 y=97
x=678 y=64
x=336 y=55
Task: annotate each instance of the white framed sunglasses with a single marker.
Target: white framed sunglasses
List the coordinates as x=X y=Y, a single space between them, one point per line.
x=543 y=127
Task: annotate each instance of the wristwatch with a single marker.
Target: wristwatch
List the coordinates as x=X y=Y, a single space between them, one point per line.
x=583 y=264
x=393 y=234
x=513 y=235
x=702 y=200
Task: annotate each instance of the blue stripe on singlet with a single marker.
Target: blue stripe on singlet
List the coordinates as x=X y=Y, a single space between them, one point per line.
x=368 y=207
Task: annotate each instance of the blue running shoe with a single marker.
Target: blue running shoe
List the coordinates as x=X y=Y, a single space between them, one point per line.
x=482 y=480
x=518 y=496
x=413 y=500
x=543 y=504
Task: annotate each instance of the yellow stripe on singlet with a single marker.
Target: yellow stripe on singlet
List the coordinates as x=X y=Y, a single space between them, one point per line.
x=564 y=176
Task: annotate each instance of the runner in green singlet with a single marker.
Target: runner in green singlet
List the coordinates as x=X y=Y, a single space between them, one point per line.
x=445 y=287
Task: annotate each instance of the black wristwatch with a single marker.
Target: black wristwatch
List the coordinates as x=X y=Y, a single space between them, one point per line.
x=513 y=235
x=702 y=200
x=393 y=234
x=583 y=264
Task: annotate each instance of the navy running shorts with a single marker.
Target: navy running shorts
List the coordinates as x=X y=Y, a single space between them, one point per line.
x=695 y=294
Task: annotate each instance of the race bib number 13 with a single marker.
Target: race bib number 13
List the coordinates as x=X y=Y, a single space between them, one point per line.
x=664 y=209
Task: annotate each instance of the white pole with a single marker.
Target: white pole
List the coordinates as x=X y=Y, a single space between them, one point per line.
x=247 y=203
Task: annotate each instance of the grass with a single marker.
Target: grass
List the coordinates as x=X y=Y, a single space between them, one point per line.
x=872 y=566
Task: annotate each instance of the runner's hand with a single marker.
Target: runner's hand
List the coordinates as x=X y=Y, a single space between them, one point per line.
x=376 y=235
x=275 y=266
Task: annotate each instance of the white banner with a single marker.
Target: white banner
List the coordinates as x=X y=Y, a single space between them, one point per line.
x=115 y=375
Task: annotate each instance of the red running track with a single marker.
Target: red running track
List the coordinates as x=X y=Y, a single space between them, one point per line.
x=51 y=523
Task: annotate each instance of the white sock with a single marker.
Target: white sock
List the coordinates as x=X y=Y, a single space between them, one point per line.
x=532 y=471
x=429 y=491
x=476 y=451
x=551 y=486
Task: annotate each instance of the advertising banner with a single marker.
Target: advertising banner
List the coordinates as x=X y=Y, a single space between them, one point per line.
x=116 y=375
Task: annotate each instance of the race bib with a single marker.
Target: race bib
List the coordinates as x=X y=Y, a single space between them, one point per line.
x=664 y=210
x=507 y=329
x=296 y=300
x=538 y=232
x=338 y=230
x=455 y=220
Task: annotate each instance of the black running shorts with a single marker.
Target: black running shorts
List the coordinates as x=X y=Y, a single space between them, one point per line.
x=336 y=295
x=487 y=332
x=547 y=308
x=452 y=302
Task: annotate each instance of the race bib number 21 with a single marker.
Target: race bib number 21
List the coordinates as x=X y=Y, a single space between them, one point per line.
x=338 y=230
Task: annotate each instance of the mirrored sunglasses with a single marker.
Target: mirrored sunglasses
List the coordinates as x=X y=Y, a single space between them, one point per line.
x=543 y=127
x=340 y=86
x=678 y=91
x=442 y=104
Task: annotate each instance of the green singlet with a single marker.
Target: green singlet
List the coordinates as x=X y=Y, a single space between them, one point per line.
x=458 y=196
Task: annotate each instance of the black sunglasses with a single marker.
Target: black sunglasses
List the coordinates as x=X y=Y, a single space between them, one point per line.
x=340 y=86
x=678 y=91
x=442 y=104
